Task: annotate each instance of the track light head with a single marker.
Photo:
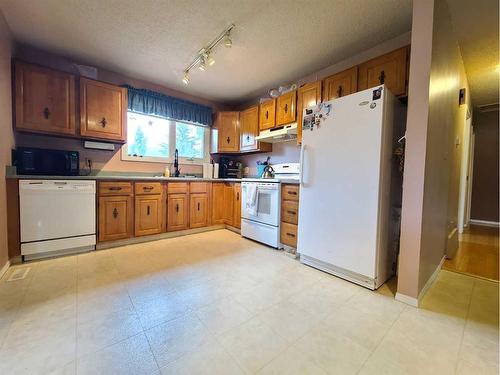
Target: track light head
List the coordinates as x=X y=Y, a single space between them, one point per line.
x=185 y=79
x=227 y=41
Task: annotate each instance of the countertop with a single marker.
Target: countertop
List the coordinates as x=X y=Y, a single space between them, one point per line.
x=134 y=177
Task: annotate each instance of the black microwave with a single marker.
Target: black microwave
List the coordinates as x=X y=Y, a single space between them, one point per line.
x=38 y=161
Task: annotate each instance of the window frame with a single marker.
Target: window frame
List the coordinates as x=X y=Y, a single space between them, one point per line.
x=171 y=145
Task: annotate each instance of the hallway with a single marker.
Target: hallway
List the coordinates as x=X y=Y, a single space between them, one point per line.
x=477 y=253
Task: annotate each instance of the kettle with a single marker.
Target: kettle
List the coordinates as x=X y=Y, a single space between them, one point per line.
x=268 y=172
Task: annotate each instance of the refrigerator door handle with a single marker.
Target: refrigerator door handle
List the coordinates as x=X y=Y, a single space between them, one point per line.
x=301 y=171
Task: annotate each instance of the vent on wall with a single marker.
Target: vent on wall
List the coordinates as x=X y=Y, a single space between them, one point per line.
x=488 y=107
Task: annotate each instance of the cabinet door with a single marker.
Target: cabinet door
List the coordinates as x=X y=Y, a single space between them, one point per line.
x=286 y=108
x=267 y=115
x=307 y=96
x=116 y=218
x=218 y=203
x=198 y=213
x=177 y=212
x=148 y=214
x=389 y=69
x=228 y=203
x=229 y=132
x=44 y=100
x=237 y=205
x=103 y=110
x=249 y=128
x=340 y=84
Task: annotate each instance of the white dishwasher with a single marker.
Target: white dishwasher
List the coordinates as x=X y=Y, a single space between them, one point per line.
x=56 y=217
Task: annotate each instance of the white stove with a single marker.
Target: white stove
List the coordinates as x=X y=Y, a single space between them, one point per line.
x=260 y=210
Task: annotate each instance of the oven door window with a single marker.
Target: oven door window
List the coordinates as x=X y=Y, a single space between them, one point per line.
x=264 y=203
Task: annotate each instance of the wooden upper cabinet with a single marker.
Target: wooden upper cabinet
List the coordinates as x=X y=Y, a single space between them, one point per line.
x=177 y=212
x=44 y=100
x=103 y=110
x=307 y=96
x=340 y=84
x=227 y=124
x=237 y=205
x=389 y=69
x=249 y=129
x=267 y=116
x=286 y=108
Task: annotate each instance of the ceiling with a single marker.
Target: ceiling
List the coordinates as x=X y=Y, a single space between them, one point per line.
x=476 y=27
x=274 y=42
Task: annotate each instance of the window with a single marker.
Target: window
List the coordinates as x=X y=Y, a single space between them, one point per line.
x=154 y=139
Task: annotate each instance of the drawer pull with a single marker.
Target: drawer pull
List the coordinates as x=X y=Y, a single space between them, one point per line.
x=115 y=188
x=46 y=113
x=290 y=234
x=291 y=212
x=115 y=213
x=148 y=188
x=291 y=192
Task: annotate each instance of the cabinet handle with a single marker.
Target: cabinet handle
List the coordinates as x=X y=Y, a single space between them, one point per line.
x=248 y=138
x=291 y=192
x=115 y=213
x=290 y=234
x=177 y=207
x=46 y=113
x=103 y=122
x=286 y=107
x=228 y=140
x=198 y=206
x=147 y=188
x=148 y=210
x=339 y=91
x=115 y=188
x=267 y=115
x=237 y=195
x=381 y=77
x=291 y=212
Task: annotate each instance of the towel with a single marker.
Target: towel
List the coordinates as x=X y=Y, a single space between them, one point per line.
x=252 y=199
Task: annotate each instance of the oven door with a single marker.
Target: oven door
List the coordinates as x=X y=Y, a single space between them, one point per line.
x=268 y=200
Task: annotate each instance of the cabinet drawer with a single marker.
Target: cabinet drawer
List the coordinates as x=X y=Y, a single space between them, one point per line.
x=115 y=188
x=142 y=188
x=198 y=187
x=177 y=187
x=289 y=234
x=290 y=192
x=290 y=212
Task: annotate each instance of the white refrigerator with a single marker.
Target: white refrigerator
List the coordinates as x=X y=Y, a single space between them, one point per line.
x=344 y=216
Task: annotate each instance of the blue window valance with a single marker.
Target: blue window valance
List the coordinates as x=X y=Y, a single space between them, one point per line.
x=155 y=103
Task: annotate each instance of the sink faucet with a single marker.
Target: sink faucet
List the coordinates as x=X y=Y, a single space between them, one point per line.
x=177 y=171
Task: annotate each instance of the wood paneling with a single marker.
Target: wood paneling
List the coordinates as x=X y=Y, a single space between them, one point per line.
x=389 y=69
x=286 y=108
x=116 y=217
x=237 y=205
x=307 y=96
x=249 y=129
x=340 y=84
x=148 y=214
x=177 y=212
x=229 y=131
x=267 y=114
x=103 y=110
x=198 y=213
x=44 y=100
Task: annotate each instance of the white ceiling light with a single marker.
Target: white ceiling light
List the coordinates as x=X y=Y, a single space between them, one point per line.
x=204 y=57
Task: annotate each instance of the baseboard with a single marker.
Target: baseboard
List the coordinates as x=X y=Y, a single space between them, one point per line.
x=4 y=268
x=431 y=280
x=406 y=299
x=485 y=223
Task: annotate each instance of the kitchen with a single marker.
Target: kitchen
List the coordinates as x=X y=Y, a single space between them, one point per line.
x=192 y=224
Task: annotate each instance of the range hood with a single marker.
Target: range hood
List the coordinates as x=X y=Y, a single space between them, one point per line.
x=283 y=133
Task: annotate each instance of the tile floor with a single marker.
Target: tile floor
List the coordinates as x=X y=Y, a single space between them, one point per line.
x=215 y=303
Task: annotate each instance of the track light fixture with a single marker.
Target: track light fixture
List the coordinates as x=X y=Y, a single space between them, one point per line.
x=204 y=57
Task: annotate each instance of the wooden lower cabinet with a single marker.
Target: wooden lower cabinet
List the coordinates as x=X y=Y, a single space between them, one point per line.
x=218 y=216
x=177 y=212
x=289 y=214
x=198 y=211
x=237 y=205
x=288 y=234
x=228 y=203
x=148 y=214
x=116 y=217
